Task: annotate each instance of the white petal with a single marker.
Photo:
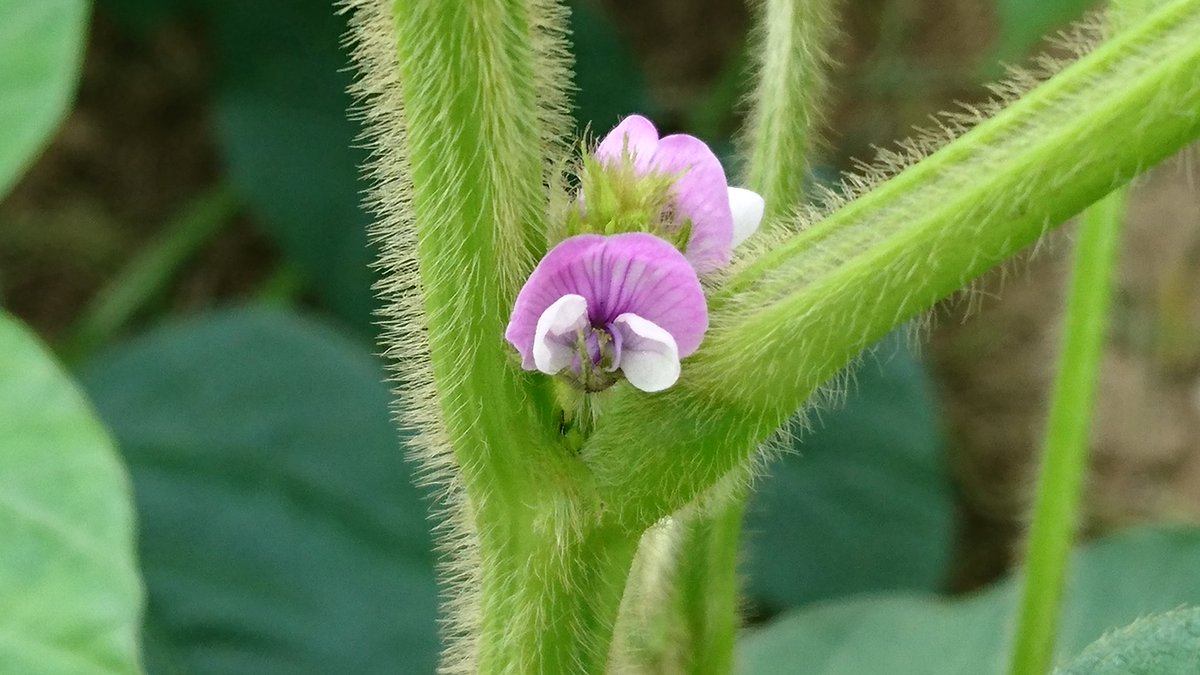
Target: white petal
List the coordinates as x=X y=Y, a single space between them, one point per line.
x=649 y=356
x=747 y=207
x=563 y=319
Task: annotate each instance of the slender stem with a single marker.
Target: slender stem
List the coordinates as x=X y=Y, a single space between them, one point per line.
x=1056 y=513
x=1064 y=456
x=791 y=42
x=147 y=275
x=706 y=585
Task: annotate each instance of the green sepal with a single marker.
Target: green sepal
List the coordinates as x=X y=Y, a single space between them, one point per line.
x=617 y=199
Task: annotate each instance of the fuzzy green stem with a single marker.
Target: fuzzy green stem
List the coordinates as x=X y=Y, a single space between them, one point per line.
x=150 y=271
x=818 y=299
x=1056 y=510
x=477 y=131
x=559 y=613
x=466 y=70
x=1064 y=457
x=791 y=38
x=706 y=587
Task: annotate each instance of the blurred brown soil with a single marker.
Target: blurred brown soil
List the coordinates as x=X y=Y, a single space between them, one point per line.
x=139 y=146
x=995 y=365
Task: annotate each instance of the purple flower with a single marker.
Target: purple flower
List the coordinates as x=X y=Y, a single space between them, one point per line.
x=596 y=305
x=721 y=217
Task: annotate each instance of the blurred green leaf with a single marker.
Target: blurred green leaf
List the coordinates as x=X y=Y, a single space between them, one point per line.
x=145 y=15
x=1165 y=644
x=609 y=81
x=1111 y=583
x=41 y=49
x=281 y=531
x=281 y=109
x=865 y=503
x=70 y=598
x=281 y=106
x=281 y=115
x=1023 y=23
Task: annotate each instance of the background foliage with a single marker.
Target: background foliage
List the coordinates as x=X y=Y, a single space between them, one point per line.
x=279 y=529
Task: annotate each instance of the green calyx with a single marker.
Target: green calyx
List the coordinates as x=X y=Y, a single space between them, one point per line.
x=618 y=199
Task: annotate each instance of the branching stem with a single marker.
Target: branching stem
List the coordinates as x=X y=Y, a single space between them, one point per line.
x=816 y=301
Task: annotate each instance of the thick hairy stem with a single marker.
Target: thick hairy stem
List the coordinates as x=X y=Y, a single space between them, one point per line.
x=465 y=111
x=791 y=318
x=467 y=81
x=555 y=603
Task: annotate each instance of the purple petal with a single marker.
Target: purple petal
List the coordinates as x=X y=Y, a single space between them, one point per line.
x=543 y=288
x=635 y=135
x=701 y=194
x=628 y=273
x=641 y=274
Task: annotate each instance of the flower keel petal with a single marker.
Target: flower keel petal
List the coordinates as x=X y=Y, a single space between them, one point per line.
x=648 y=357
x=557 y=329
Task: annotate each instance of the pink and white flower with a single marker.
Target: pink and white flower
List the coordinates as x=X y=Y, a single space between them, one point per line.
x=597 y=307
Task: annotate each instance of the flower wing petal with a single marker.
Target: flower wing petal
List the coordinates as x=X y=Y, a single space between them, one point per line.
x=557 y=329
x=701 y=195
x=635 y=135
x=747 y=207
x=649 y=355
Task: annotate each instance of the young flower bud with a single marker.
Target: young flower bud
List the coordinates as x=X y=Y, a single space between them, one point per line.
x=699 y=198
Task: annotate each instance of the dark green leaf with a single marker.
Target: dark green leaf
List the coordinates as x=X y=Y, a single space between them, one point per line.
x=70 y=598
x=281 y=532
x=145 y=15
x=282 y=122
x=609 y=82
x=41 y=48
x=1111 y=583
x=1166 y=644
x=1024 y=22
x=865 y=503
